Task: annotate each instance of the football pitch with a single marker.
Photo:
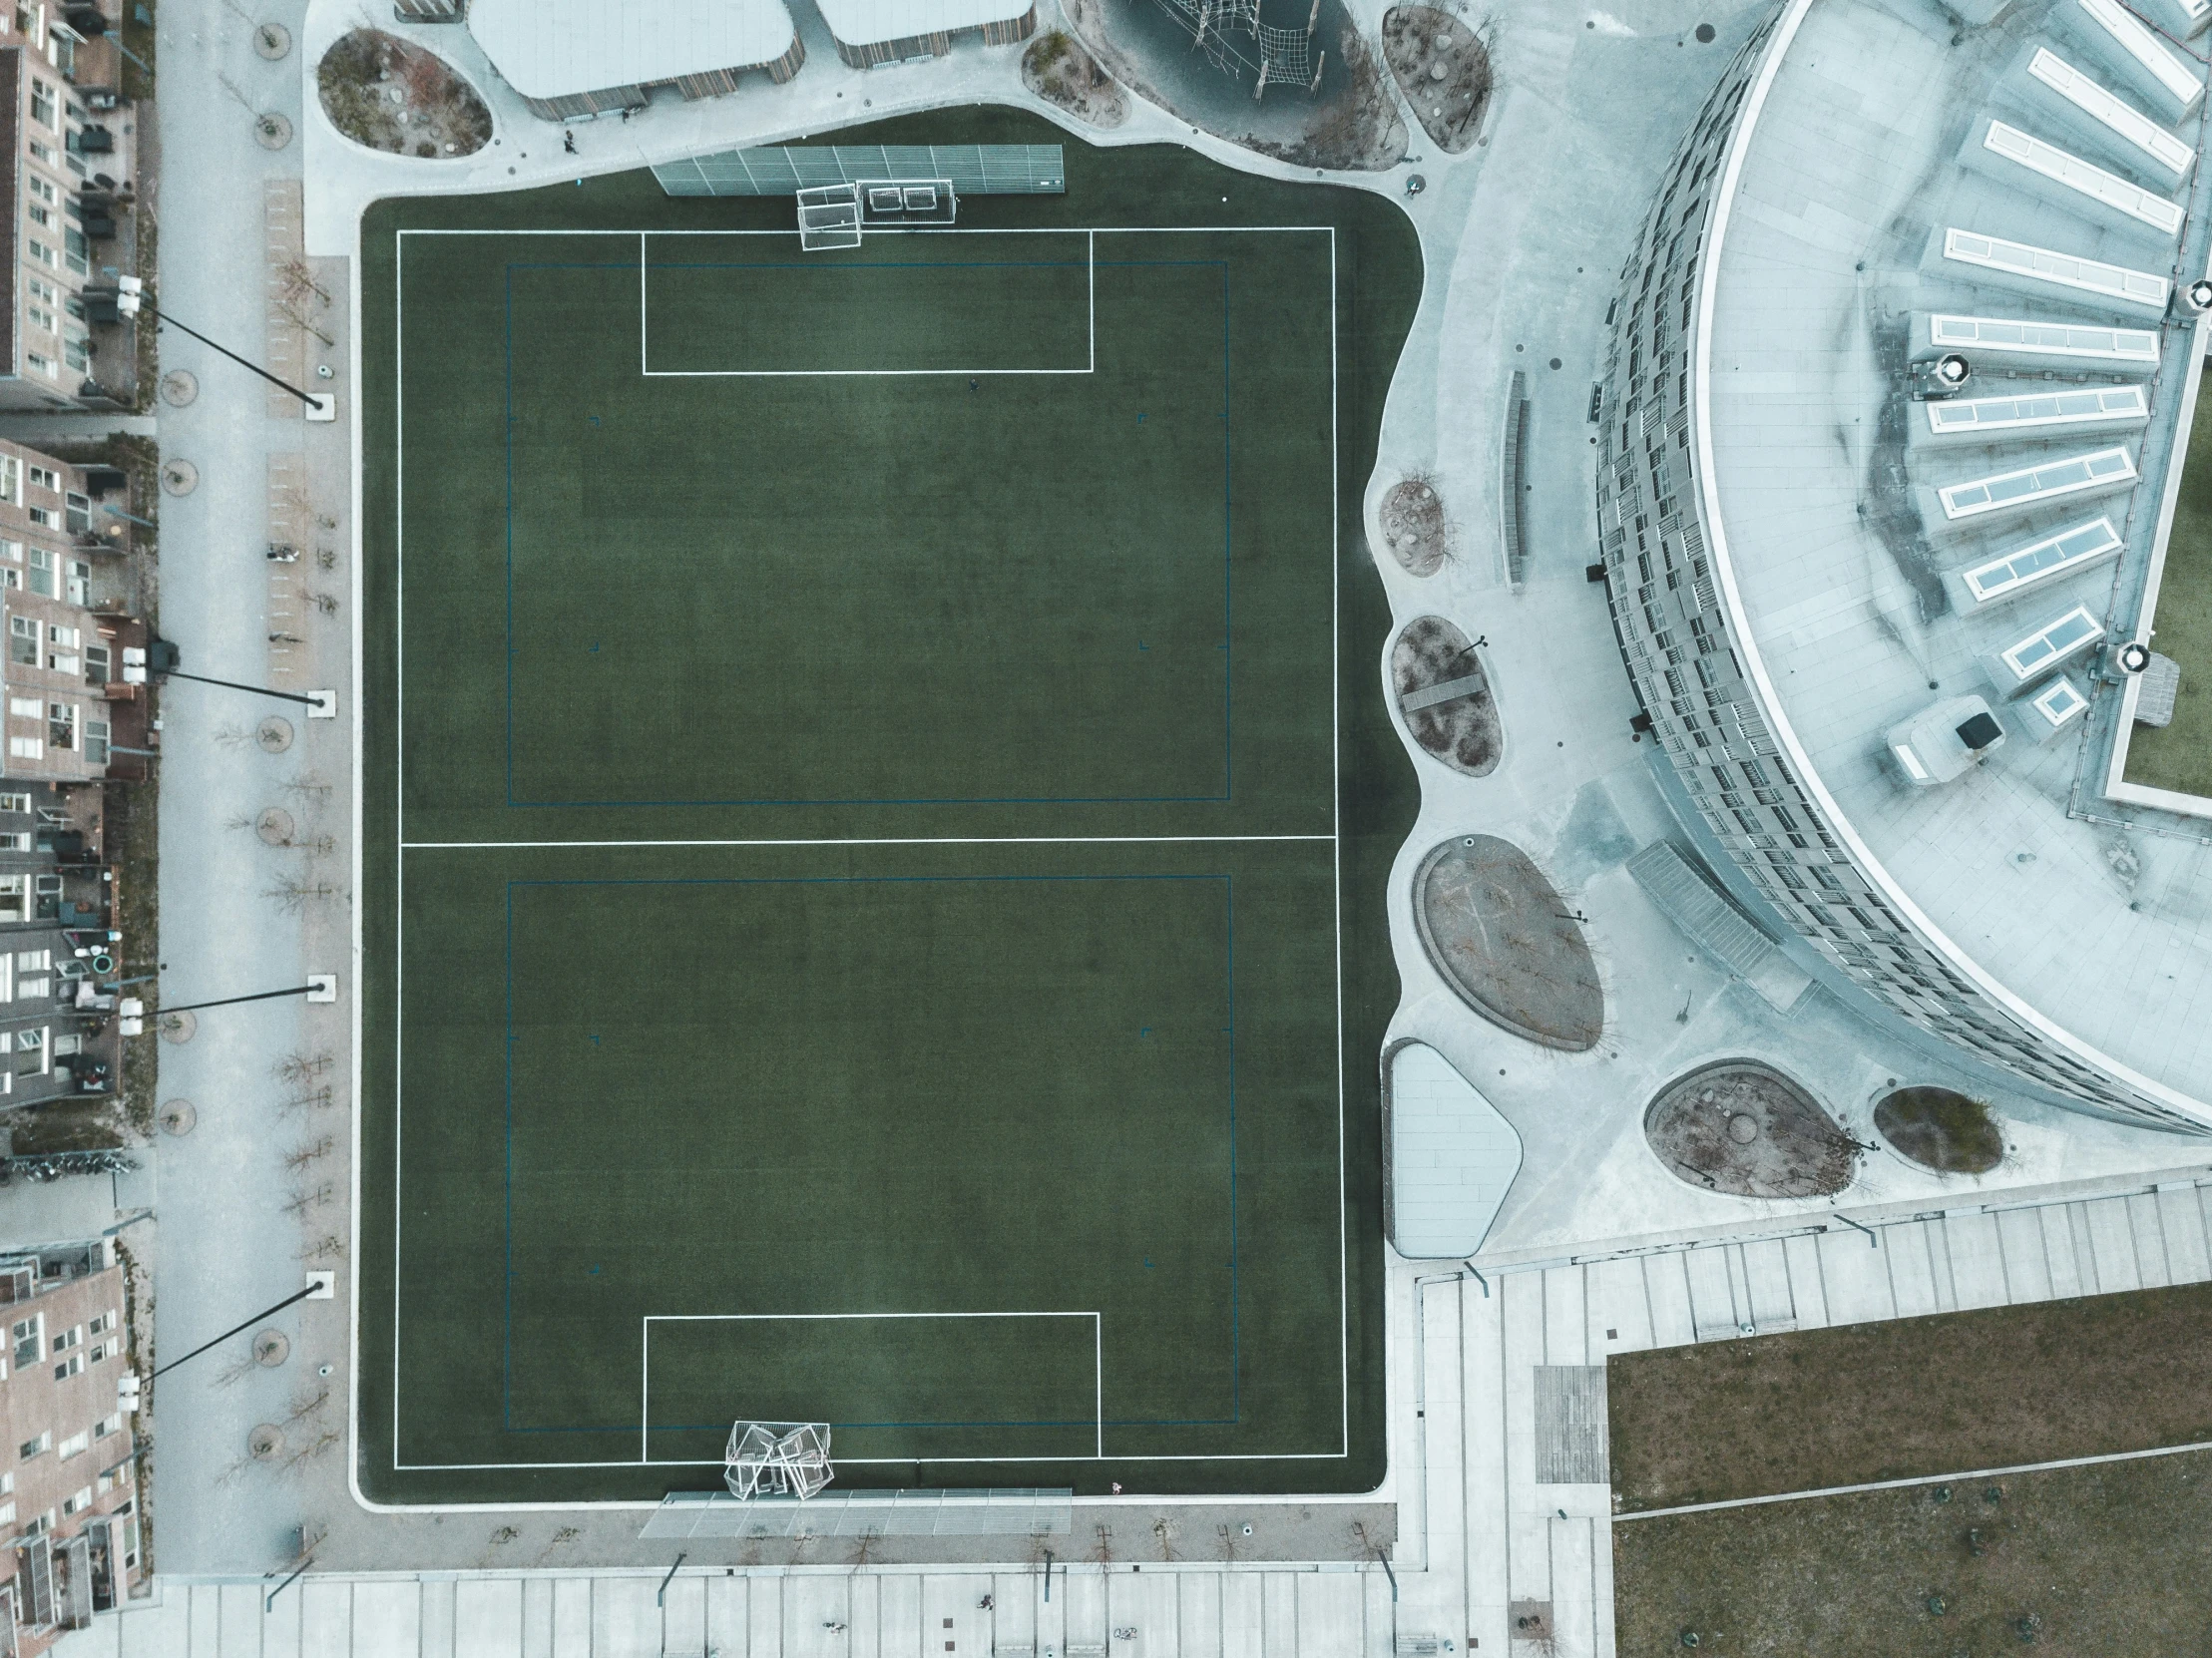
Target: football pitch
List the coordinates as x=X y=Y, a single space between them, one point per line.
x=877 y=809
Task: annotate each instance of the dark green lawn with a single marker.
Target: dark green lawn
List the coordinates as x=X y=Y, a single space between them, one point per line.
x=956 y=984
x=2179 y=756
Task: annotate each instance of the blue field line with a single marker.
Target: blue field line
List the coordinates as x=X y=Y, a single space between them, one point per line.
x=1229 y=616
x=507 y=1276
x=1228 y=884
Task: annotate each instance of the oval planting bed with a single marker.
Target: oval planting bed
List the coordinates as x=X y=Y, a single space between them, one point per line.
x=389 y=94
x=1941 y=1129
x=1444 y=696
x=1415 y=529
x=1744 y=1128
x=1502 y=937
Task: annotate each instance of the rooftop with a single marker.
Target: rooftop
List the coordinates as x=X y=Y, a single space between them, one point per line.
x=867 y=21
x=1836 y=260
x=558 y=48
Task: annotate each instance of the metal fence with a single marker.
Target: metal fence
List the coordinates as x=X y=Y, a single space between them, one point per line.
x=974 y=168
x=1019 y=1512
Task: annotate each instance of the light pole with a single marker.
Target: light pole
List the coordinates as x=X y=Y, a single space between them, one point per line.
x=307 y=398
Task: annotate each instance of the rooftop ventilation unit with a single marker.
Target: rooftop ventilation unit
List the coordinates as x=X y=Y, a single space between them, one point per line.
x=1945 y=740
x=1939 y=378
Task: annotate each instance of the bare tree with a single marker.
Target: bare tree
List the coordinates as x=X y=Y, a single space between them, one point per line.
x=328 y=1247
x=298 y=318
x=294 y=894
x=299 y=1156
x=303 y=1068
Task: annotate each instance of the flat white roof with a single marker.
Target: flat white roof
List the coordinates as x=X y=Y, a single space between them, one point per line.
x=558 y=48
x=871 y=22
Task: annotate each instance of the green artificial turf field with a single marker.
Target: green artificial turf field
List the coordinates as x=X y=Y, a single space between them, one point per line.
x=879 y=808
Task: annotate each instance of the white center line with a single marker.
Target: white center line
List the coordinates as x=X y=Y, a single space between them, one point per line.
x=871 y=840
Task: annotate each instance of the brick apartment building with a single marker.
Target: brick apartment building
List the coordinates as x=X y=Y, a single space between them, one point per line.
x=68 y=1495
x=68 y=155
x=73 y=671
x=72 y=689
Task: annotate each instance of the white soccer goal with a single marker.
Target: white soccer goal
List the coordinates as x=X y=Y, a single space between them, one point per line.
x=829 y=217
x=777 y=1459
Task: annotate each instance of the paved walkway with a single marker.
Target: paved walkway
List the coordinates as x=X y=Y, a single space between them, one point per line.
x=1162 y=1611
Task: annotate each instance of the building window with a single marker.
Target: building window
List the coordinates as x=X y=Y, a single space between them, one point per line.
x=77 y=509
x=77 y=1503
x=43 y=151
x=45 y=478
x=74 y=1364
x=43 y=110
x=40 y=317
x=69 y=1338
x=107 y=1425
x=38 y=216
x=24 y=748
x=98 y=662
x=40 y=251
x=44 y=517
x=15 y=889
x=35 y=1447
x=30 y=1052
x=45 y=577
x=80 y=579
x=11 y=491
x=15 y=840
x=98 y=735
x=75 y=251
x=77 y=352
x=29 y=1335
x=40 y=190
x=61 y=650
x=61 y=723
x=15 y=803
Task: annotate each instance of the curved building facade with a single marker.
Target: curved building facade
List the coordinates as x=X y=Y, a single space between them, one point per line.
x=1869 y=610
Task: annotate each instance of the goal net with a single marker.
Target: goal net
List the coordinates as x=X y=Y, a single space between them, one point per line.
x=777 y=1459
x=829 y=217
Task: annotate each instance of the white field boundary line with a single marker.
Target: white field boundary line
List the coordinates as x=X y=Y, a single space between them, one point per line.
x=1922 y=1479
x=644 y=1366
x=878 y=840
x=399 y=541
x=1091 y=245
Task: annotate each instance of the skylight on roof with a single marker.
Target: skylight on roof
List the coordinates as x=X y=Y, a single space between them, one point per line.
x=2030 y=411
x=2042 y=560
x=2045 y=480
x=2111 y=111
x=2067 y=270
x=2133 y=36
x=2044 y=339
x=2059 y=702
x=2062 y=167
x=2052 y=644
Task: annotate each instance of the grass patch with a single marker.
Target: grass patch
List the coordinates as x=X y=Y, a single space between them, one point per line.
x=2179 y=756
x=2098 y=1560
x=1941 y=1129
x=1911 y=1396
